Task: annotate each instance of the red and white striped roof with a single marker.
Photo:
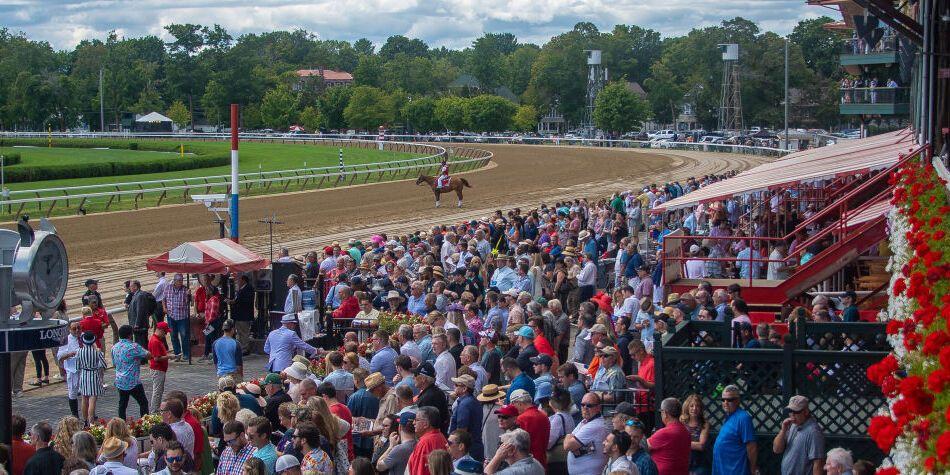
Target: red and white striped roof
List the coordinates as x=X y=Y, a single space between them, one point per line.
x=215 y=256
x=808 y=166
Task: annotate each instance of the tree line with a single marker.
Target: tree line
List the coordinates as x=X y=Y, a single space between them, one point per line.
x=195 y=75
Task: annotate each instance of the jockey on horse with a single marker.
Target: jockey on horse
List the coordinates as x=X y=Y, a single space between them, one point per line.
x=443 y=180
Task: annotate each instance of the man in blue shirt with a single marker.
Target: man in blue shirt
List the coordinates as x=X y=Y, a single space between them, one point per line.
x=497 y=316
x=417 y=299
x=365 y=403
x=746 y=267
x=384 y=356
x=227 y=352
x=468 y=414
x=283 y=343
x=518 y=379
x=424 y=340
x=504 y=276
x=735 y=450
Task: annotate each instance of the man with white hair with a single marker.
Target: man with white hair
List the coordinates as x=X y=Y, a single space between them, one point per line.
x=839 y=462
x=444 y=362
x=800 y=440
x=534 y=422
x=515 y=450
x=446 y=251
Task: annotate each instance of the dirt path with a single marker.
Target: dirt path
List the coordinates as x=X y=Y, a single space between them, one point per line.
x=113 y=246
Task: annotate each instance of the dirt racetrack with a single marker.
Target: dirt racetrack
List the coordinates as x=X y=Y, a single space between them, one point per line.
x=113 y=246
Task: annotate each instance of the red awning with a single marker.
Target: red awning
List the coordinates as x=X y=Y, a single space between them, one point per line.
x=215 y=256
x=808 y=166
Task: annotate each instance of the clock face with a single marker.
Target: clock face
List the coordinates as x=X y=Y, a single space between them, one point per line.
x=49 y=272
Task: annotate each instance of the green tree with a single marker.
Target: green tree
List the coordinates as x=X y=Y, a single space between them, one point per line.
x=819 y=46
x=179 y=114
x=369 y=107
x=489 y=113
x=214 y=102
x=400 y=44
x=311 y=119
x=665 y=92
x=279 y=108
x=519 y=68
x=149 y=101
x=618 y=110
x=420 y=115
x=526 y=118
x=450 y=112
x=332 y=104
x=364 y=47
x=487 y=61
x=369 y=72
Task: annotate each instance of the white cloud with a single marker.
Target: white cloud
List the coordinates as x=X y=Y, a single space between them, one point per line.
x=447 y=23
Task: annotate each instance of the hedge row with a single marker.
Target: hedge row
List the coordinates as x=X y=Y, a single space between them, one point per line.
x=157 y=145
x=11 y=159
x=25 y=173
x=85 y=170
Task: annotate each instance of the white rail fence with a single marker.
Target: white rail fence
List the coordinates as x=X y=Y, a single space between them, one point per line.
x=46 y=200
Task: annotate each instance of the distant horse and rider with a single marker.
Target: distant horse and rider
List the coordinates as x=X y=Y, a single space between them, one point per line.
x=454 y=184
x=444 y=184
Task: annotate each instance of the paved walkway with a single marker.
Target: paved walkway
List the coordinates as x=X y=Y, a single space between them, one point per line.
x=49 y=403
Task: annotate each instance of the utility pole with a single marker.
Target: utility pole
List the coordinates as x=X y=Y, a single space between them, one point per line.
x=786 y=93
x=102 y=109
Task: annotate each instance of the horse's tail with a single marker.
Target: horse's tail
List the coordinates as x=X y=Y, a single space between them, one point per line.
x=465 y=182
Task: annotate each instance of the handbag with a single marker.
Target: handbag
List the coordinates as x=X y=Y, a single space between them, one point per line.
x=556 y=453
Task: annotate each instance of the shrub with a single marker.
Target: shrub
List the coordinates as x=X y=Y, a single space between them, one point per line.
x=11 y=159
x=133 y=146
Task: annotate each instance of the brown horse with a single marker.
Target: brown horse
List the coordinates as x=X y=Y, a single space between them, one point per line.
x=455 y=184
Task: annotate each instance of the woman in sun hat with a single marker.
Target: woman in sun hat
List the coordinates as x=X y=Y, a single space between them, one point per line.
x=89 y=363
x=489 y=398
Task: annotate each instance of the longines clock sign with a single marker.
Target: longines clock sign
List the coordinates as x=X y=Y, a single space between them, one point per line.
x=34 y=272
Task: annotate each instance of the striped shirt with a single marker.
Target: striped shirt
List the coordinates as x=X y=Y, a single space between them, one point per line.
x=177 y=301
x=233 y=464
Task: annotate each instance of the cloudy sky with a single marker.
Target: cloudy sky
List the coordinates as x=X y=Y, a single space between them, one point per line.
x=439 y=22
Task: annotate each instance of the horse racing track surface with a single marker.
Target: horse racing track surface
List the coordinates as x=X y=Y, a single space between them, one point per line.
x=112 y=247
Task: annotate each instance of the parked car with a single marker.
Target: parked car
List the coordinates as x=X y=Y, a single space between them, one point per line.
x=663 y=134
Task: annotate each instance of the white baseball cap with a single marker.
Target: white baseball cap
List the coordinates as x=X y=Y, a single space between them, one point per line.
x=284 y=462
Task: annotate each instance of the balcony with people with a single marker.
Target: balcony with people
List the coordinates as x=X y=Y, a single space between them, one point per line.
x=858 y=51
x=873 y=96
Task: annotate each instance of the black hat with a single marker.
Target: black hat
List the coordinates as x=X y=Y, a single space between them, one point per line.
x=850 y=293
x=88 y=338
x=626 y=408
x=91 y=282
x=542 y=359
x=425 y=369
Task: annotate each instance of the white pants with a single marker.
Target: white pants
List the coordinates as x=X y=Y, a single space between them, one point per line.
x=72 y=385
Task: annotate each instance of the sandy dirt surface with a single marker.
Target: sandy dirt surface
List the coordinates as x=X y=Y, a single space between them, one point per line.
x=112 y=247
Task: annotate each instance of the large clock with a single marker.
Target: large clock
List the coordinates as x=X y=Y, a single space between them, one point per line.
x=41 y=271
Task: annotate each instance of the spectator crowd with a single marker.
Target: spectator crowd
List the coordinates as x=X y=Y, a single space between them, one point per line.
x=533 y=355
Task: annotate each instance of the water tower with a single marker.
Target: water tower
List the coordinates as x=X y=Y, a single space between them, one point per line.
x=730 y=105
x=596 y=76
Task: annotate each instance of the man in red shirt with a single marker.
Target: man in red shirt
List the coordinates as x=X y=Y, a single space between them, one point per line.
x=91 y=323
x=349 y=305
x=328 y=393
x=430 y=439
x=159 y=362
x=534 y=422
x=645 y=379
x=669 y=446
x=22 y=451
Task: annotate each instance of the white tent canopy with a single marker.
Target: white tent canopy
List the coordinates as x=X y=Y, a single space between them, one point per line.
x=153 y=117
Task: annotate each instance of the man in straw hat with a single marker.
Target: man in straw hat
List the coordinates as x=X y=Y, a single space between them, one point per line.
x=283 y=343
x=489 y=397
x=113 y=450
x=364 y=404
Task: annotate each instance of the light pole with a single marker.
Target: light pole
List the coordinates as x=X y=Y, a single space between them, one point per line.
x=270 y=222
x=786 y=93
